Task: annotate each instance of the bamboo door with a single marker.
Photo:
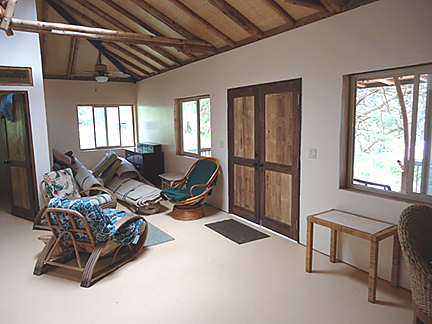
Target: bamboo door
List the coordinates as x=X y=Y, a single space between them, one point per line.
x=264 y=151
x=19 y=160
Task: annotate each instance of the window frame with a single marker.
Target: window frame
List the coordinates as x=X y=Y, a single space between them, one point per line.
x=178 y=111
x=347 y=138
x=105 y=106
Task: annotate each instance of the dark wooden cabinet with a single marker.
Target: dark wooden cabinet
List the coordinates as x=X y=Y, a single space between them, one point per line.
x=148 y=160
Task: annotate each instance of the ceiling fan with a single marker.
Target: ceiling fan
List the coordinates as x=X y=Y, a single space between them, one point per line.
x=101 y=74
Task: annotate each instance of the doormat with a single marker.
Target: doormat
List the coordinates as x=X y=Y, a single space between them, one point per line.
x=156 y=236
x=236 y=231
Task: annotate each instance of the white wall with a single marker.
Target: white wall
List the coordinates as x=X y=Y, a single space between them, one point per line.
x=22 y=49
x=62 y=98
x=384 y=34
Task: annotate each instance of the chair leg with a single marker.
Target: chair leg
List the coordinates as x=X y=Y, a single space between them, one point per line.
x=87 y=275
x=41 y=260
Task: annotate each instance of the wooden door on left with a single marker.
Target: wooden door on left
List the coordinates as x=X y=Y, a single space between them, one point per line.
x=19 y=158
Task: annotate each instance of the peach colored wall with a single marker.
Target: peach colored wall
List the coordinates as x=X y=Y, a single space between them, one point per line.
x=62 y=98
x=384 y=34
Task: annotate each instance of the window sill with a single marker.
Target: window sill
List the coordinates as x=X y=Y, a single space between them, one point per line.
x=379 y=195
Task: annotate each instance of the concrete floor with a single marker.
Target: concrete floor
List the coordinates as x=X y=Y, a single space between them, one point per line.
x=200 y=277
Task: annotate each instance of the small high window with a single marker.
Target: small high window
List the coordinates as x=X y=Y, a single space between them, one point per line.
x=390 y=137
x=106 y=126
x=193 y=126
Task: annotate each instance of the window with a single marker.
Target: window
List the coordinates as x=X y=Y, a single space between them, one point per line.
x=193 y=126
x=389 y=146
x=105 y=126
x=11 y=75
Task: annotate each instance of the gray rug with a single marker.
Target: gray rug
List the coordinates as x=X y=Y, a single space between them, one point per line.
x=236 y=231
x=156 y=236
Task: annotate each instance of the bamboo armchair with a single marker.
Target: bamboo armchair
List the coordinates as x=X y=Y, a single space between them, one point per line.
x=73 y=239
x=102 y=196
x=188 y=194
x=415 y=235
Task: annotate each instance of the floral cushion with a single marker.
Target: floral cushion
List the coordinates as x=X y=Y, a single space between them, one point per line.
x=101 y=221
x=61 y=184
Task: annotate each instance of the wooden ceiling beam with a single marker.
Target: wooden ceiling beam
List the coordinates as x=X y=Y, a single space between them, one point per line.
x=72 y=56
x=280 y=11
x=165 y=19
x=328 y=6
x=7 y=17
x=71 y=20
x=133 y=56
x=133 y=65
x=311 y=4
x=237 y=17
x=209 y=27
x=137 y=48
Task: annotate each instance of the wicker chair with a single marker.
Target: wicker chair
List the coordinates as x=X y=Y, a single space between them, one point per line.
x=415 y=235
x=187 y=194
x=105 y=198
x=80 y=227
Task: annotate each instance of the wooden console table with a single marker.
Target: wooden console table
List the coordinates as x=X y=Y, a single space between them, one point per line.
x=360 y=226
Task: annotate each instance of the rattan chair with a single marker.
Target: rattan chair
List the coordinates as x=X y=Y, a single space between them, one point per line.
x=105 y=198
x=82 y=228
x=188 y=194
x=415 y=235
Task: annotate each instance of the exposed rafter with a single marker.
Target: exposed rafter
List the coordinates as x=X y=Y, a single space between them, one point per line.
x=206 y=24
x=280 y=11
x=144 y=38
x=237 y=17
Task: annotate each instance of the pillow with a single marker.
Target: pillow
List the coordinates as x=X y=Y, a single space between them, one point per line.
x=61 y=184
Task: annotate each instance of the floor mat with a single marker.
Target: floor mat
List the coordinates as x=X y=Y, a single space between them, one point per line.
x=236 y=231
x=156 y=236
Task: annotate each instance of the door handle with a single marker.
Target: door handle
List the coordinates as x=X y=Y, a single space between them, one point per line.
x=6 y=161
x=255 y=163
x=261 y=164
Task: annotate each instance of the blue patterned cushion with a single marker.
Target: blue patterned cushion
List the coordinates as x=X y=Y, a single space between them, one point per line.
x=101 y=221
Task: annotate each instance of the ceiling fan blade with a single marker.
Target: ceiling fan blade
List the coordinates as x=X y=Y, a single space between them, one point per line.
x=118 y=74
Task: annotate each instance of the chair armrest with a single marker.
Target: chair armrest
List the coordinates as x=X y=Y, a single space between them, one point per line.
x=126 y=219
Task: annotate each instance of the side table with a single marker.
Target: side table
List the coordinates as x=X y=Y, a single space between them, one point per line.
x=360 y=226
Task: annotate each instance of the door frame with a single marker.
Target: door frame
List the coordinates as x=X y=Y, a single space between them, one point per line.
x=258 y=216
x=34 y=205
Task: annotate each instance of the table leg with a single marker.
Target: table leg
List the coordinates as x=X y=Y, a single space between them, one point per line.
x=309 y=246
x=373 y=267
x=333 y=244
x=395 y=261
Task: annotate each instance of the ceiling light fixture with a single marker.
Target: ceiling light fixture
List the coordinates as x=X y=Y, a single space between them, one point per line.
x=101 y=78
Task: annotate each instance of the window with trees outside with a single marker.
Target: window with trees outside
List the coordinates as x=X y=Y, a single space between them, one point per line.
x=193 y=126
x=390 y=137
x=105 y=126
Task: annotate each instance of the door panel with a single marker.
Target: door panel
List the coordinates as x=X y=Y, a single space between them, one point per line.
x=20 y=160
x=244 y=130
x=264 y=135
x=244 y=183
x=278 y=196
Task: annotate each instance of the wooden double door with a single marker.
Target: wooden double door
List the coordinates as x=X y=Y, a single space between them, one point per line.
x=264 y=124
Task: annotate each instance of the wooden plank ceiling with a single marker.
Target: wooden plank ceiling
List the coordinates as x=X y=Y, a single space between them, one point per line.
x=178 y=32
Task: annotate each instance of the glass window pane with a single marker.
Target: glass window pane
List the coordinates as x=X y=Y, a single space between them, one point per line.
x=126 y=126
x=100 y=127
x=205 y=125
x=85 y=127
x=190 y=127
x=383 y=119
x=113 y=126
x=425 y=103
